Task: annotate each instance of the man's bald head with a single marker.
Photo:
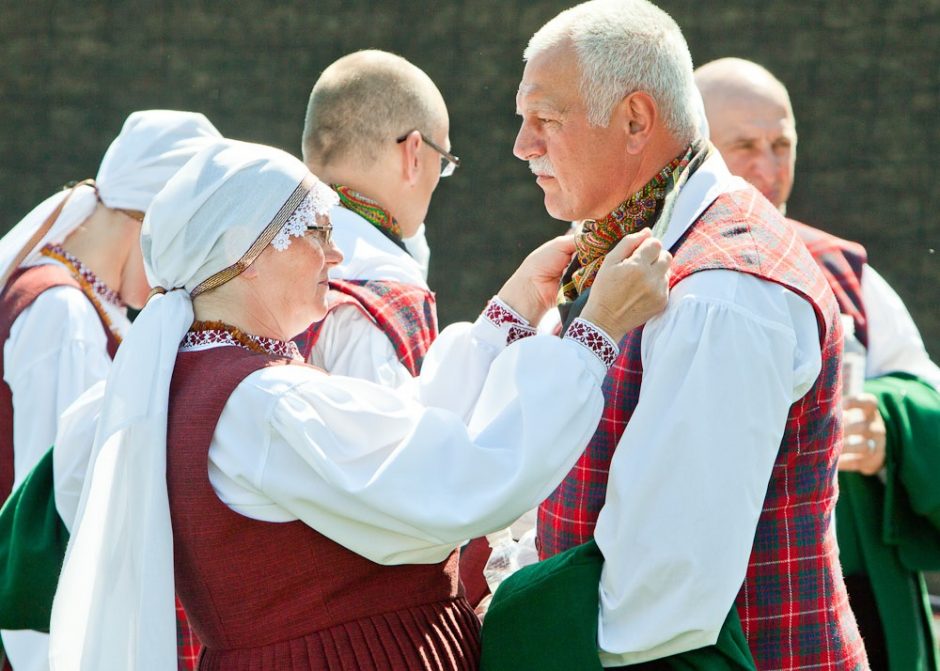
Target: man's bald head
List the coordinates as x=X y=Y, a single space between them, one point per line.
x=366 y=100
x=751 y=123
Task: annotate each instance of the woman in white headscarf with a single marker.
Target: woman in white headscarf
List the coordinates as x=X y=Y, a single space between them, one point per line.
x=68 y=272
x=313 y=519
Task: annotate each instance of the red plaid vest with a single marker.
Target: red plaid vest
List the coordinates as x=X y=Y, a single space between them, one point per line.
x=792 y=602
x=282 y=596
x=841 y=262
x=405 y=312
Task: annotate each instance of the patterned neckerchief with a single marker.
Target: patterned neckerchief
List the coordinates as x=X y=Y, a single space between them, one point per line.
x=597 y=237
x=203 y=334
x=371 y=211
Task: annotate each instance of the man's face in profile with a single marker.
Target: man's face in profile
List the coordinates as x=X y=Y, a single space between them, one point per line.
x=580 y=167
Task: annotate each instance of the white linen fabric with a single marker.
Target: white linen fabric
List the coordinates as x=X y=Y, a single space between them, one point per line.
x=57 y=348
x=368 y=254
x=73 y=445
x=115 y=610
x=894 y=343
x=151 y=147
x=726 y=359
x=350 y=342
x=317 y=458
x=419 y=249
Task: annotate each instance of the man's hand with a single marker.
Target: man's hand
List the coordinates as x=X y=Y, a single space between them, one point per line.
x=533 y=288
x=631 y=286
x=863 y=448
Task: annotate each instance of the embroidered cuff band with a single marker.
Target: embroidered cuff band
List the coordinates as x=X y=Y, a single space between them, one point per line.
x=507 y=320
x=594 y=339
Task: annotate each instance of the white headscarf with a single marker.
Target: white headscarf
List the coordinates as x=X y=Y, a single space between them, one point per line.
x=150 y=148
x=114 y=607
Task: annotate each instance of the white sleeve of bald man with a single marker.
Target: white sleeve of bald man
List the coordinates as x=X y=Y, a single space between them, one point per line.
x=351 y=344
x=393 y=479
x=894 y=343
x=722 y=366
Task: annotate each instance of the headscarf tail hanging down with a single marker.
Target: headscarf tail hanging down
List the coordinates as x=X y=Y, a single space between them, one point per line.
x=114 y=608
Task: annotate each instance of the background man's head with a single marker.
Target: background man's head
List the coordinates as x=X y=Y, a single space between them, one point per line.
x=606 y=102
x=358 y=109
x=751 y=123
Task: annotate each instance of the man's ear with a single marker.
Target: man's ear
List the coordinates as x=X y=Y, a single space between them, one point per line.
x=410 y=149
x=637 y=114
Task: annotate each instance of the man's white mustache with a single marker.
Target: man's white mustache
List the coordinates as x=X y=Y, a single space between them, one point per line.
x=542 y=166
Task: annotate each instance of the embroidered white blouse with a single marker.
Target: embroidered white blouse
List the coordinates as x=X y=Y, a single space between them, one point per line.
x=486 y=432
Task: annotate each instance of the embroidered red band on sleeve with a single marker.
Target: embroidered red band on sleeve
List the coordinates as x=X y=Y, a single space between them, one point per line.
x=505 y=318
x=599 y=343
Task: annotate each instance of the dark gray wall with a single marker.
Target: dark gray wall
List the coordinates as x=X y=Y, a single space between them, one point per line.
x=864 y=77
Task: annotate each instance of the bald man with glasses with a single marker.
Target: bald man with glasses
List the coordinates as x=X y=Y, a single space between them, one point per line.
x=376 y=130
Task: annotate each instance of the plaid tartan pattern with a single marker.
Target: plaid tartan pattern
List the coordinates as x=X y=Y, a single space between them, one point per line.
x=187 y=644
x=841 y=262
x=406 y=314
x=792 y=603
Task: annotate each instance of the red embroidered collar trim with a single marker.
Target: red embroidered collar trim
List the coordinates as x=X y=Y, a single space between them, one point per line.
x=203 y=335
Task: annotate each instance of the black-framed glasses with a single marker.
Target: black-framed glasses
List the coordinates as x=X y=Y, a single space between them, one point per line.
x=449 y=162
x=323 y=234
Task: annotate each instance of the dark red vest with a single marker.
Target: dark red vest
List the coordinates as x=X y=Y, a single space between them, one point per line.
x=24 y=286
x=262 y=595
x=841 y=262
x=792 y=602
x=404 y=312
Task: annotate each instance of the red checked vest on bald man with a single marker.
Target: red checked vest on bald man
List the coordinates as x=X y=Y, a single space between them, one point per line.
x=841 y=262
x=792 y=603
x=405 y=313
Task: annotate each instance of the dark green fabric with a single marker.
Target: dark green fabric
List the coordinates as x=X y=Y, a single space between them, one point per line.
x=545 y=617
x=890 y=532
x=32 y=548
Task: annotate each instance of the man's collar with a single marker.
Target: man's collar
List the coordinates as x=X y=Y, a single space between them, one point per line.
x=370 y=255
x=707 y=183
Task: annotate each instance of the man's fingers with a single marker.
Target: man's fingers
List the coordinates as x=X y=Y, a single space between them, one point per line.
x=663 y=260
x=864 y=402
x=648 y=251
x=628 y=245
x=849 y=461
x=564 y=244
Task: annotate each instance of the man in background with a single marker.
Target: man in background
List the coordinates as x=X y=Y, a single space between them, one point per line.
x=753 y=126
x=376 y=130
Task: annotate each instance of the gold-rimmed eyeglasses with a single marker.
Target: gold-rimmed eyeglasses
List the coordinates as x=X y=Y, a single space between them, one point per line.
x=323 y=234
x=449 y=162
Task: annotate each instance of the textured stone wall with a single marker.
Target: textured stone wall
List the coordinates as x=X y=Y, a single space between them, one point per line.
x=864 y=77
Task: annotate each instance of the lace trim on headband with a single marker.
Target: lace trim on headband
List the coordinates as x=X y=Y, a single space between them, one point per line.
x=315 y=205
